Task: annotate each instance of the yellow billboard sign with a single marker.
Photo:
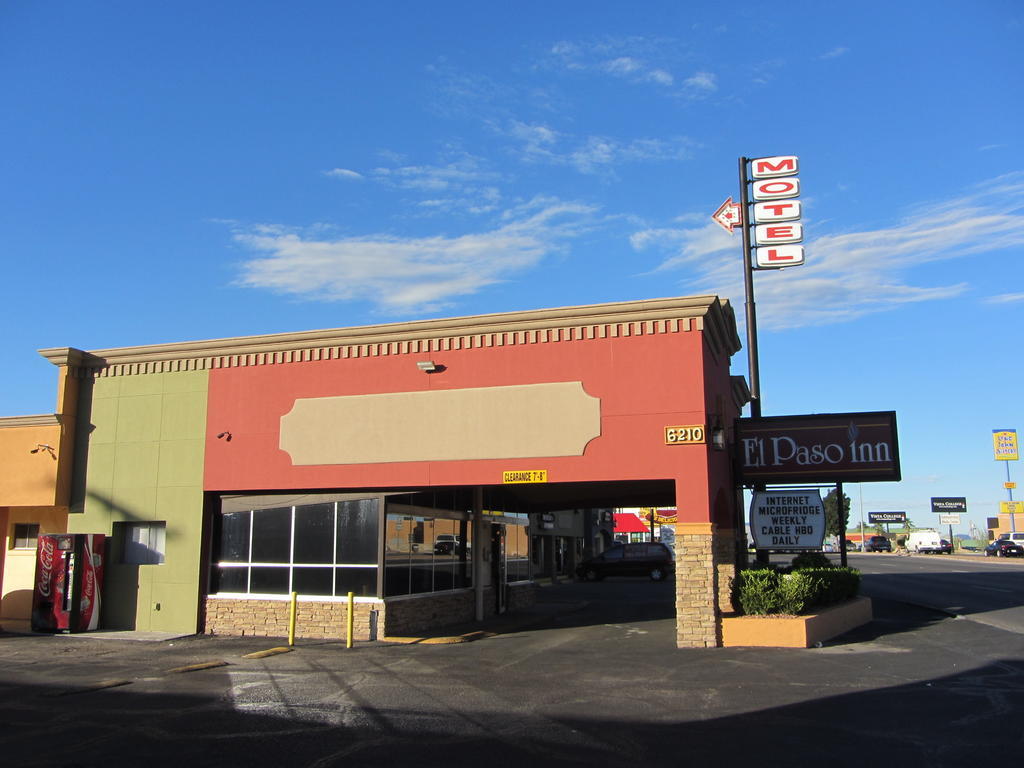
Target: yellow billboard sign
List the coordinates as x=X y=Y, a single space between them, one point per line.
x=1004 y=443
x=1011 y=507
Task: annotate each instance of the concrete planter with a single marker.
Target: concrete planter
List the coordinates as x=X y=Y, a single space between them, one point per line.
x=796 y=631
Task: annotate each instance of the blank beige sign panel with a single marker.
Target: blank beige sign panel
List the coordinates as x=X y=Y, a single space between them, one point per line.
x=557 y=419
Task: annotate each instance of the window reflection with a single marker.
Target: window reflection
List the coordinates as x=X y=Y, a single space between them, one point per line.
x=426 y=554
x=327 y=549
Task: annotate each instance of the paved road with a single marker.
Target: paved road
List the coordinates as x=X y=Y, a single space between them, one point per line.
x=595 y=680
x=984 y=589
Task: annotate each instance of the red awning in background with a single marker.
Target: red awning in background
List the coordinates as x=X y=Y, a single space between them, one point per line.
x=627 y=522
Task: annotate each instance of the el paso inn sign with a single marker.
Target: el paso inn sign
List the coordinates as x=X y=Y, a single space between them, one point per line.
x=834 y=447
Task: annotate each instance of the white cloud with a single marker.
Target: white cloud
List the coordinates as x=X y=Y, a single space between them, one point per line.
x=433 y=177
x=342 y=173
x=627 y=59
x=462 y=185
x=835 y=53
x=591 y=154
x=536 y=140
x=660 y=76
x=705 y=82
x=405 y=274
x=848 y=275
x=1006 y=298
x=624 y=65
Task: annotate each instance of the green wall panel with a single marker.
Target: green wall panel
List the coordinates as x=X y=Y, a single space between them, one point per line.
x=142 y=449
x=136 y=465
x=139 y=418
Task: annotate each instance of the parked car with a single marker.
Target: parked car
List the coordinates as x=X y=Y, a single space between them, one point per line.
x=651 y=560
x=1017 y=537
x=947 y=547
x=1004 y=548
x=852 y=546
x=445 y=544
x=877 y=544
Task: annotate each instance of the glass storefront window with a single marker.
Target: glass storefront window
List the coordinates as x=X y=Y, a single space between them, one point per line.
x=426 y=554
x=517 y=553
x=327 y=549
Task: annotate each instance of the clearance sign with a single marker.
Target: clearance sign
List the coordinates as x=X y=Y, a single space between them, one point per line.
x=1004 y=443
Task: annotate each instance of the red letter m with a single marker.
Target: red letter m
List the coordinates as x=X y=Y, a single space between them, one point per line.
x=766 y=167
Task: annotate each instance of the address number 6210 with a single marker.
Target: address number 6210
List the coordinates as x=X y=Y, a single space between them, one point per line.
x=690 y=435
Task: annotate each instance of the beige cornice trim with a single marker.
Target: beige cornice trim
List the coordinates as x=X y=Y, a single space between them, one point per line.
x=41 y=420
x=68 y=356
x=709 y=314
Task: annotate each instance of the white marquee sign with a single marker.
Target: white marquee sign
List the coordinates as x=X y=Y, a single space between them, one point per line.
x=791 y=519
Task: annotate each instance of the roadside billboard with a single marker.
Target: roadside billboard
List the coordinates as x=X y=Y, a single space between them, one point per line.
x=887 y=517
x=949 y=504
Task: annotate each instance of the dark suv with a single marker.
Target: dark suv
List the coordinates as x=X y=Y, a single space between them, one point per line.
x=651 y=560
x=877 y=544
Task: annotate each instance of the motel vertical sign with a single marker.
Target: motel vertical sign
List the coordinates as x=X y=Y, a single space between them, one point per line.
x=776 y=212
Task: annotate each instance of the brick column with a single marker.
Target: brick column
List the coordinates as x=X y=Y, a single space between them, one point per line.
x=703 y=557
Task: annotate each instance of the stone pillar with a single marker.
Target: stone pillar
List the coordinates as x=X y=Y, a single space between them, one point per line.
x=701 y=562
x=725 y=547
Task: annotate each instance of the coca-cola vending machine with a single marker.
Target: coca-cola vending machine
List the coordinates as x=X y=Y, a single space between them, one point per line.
x=69 y=577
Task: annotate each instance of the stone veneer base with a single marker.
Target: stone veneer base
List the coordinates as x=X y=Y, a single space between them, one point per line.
x=372 y=620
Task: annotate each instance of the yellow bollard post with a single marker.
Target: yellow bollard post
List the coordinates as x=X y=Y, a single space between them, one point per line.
x=291 y=620
x=351 y=620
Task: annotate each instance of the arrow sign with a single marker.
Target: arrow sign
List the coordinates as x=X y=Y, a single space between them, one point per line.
x=728 y=215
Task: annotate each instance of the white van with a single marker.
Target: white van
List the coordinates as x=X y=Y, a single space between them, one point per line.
x=925 y=542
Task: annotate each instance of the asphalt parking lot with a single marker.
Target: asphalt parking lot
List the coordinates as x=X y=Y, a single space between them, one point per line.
x=591 y=677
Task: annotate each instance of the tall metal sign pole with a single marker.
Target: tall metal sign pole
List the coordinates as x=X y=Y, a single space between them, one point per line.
x=748 y=291
x=774 y=221
x=775 y=217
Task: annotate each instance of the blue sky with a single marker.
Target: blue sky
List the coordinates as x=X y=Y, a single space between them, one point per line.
x=190 y=170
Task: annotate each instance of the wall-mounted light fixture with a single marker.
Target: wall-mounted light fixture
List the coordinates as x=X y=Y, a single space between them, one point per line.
x=718 y=438
x=226 y=436
x=427 y=366
x=44 y=448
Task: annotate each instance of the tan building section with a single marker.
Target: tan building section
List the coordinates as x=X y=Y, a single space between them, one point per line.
x=36 y=454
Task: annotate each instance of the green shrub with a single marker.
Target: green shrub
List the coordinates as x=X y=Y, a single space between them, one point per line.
x=837 y=584
x=800 y=590
x=811 y=560
x=766 y=591
x=756 y=592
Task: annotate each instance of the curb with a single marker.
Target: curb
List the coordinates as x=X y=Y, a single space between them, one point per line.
x=468 y=637
x=101 y=685
x=268 y=652
x=199 y=666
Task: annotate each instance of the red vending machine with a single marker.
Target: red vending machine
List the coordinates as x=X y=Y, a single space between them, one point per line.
x=69 y=578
